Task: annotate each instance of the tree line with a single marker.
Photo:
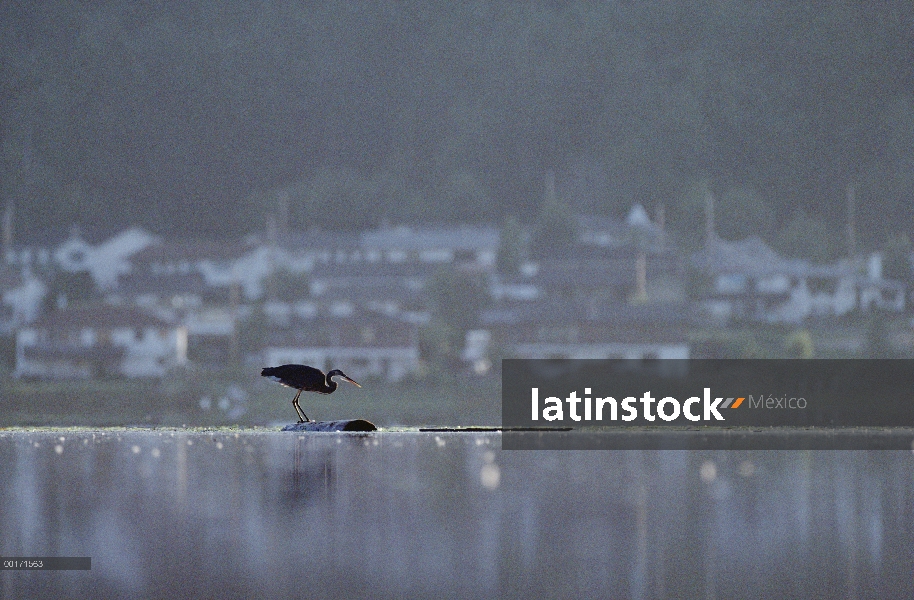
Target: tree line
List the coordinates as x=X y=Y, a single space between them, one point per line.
x=200 y=118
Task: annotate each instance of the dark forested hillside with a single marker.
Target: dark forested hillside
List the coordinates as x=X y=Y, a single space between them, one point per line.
x=197 y=117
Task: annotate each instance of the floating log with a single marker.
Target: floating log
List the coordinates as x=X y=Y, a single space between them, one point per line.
x=345 y=425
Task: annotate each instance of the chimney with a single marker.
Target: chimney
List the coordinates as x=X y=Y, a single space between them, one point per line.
x=874 y=266
x=282 y=228
x=550 y=185
x=709 y=218
x=851 y=221
x=661 y=225
x=8 y=231
x=272 y=235
x=641 y=277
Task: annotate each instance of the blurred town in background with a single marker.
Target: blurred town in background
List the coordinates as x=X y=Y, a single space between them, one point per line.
x=400 y=305
x=413 y=191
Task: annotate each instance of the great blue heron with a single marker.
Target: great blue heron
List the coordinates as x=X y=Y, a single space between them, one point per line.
x=305 y=379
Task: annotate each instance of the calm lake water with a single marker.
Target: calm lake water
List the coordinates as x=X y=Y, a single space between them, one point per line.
x=241 y=514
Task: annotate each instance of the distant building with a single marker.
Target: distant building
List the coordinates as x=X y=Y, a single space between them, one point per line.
x=383 y=287
x=105 y=261
x=465 y=246
x=184 y=291
x=194 y=268
x=197 y=284
x=99 y=341
x=587 y=330
x=364 y=345
x=311 y=250
x=612 y=278
x=635 y=230
x=747 y=280
x=21 y=298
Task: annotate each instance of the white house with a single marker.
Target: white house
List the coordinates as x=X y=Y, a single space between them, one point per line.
x=313 y=251
x=21 y=297
x=105 y=261
x=99 y=341
x=749 y=280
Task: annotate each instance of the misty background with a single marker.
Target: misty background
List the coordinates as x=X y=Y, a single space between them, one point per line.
x=189 y=119
x=413 y=192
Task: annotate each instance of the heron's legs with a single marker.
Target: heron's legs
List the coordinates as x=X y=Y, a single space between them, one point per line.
x=302 y=417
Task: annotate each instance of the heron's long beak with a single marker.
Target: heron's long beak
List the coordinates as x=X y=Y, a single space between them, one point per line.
x=350 y=381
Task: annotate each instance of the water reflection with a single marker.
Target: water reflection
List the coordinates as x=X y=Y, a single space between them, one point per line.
x=266 y=514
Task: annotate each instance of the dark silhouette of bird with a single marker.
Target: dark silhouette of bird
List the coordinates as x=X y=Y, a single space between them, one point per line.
x=305 y=379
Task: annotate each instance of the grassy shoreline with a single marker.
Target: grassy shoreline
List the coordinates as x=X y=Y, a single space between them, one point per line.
x=177 y=402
